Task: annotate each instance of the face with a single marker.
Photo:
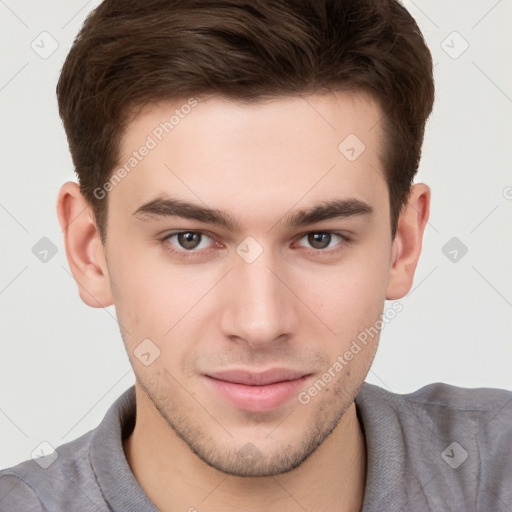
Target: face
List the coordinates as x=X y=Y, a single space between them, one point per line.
x=247 y=250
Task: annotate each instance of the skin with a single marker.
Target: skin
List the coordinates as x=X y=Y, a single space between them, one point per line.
x=292 y=307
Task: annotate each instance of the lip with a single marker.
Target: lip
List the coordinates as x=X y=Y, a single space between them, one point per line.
x=257 y=392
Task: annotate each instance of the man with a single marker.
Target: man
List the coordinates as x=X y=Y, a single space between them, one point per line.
x=246 y=201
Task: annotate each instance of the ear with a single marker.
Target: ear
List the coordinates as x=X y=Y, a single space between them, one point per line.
x=406 y=247
x=84 y=250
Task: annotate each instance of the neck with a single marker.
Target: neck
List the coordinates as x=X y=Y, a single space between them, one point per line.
x=331 y=479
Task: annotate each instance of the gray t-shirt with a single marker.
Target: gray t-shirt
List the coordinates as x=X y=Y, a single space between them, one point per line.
x=440 y=448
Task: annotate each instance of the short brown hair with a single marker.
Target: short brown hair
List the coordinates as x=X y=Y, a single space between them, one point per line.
x=130 y=53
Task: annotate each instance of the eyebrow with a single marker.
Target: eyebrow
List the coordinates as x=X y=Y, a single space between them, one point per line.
x=170 y=207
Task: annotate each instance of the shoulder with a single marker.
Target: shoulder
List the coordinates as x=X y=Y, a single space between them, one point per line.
x=448 y=394
x=455 y=442
x=61 y=480
x=479 y=418
x=453 y=410
x=16 y=494
x=449 y=409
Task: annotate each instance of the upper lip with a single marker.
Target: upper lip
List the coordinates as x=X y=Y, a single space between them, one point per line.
x=263 y=378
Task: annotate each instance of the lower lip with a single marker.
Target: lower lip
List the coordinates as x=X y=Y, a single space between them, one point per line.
x=257 y=398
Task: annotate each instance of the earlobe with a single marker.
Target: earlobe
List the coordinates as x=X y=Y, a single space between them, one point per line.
x=84 y=250
x=406 y=248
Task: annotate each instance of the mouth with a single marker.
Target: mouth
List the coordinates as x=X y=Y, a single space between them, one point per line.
x=257 y=392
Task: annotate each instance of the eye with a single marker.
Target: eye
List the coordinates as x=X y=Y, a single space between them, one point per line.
x=196 y=243
x=321 y=240
x=188 y=241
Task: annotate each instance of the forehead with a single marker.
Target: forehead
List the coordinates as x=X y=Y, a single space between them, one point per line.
x=273 y=152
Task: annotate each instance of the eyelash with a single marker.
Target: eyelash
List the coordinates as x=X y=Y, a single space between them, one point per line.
x=195 y=253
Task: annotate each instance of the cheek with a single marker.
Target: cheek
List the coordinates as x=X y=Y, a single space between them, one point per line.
x=145 y=297
x=350 y=296
x=144 y=279
x=160 y=301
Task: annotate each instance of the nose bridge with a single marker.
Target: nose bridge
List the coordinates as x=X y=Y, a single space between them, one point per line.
x=259 y=308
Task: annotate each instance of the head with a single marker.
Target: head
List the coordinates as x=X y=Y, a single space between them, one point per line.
x=245 y=200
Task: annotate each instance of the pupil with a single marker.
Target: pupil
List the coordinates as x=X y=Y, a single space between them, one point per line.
x=188 y=240
x=319 y=240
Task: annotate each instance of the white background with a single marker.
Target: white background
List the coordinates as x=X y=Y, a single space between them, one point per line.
x=63 y=364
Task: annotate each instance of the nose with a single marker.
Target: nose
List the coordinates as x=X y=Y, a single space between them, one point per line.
x=258 y=307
